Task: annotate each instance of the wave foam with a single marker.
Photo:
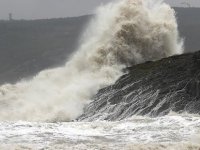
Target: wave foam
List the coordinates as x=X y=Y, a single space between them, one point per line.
x=122 y=33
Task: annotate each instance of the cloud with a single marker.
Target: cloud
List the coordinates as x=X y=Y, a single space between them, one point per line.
x=36 y=9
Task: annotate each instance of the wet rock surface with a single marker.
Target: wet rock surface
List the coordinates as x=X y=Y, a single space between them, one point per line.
x=152 y=88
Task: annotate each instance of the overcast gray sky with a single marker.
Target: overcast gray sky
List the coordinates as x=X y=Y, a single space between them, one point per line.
x=38 y=9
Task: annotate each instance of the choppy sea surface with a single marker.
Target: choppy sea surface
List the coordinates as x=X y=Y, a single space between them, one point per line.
x=168 y=132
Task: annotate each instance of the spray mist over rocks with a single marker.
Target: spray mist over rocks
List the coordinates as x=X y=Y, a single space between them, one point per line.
x=123 y=33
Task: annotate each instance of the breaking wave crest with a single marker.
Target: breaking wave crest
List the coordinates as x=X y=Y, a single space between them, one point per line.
x=121 y=34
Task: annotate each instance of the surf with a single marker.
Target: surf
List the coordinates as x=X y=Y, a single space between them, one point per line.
x=122 y=34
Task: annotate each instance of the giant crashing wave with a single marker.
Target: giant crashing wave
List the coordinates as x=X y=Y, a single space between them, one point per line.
x=123 y=33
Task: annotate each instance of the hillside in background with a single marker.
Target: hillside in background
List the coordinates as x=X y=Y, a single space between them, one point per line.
x=27 y=47
x=189 y=26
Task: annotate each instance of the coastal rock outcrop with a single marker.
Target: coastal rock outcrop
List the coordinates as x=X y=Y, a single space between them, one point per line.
x=152 y=88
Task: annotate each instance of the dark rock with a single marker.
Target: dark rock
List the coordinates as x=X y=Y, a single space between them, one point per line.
x=152 y=88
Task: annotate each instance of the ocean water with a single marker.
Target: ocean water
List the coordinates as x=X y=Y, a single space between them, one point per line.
x=38 y=113
x=168 y=132
x=122 y=34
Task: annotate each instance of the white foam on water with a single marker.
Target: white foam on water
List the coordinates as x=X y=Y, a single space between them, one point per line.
x=167 y=132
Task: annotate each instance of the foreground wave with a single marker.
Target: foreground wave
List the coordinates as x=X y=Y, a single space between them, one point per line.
x=169 y=132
